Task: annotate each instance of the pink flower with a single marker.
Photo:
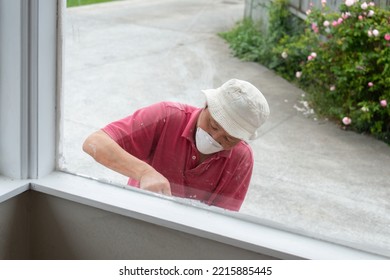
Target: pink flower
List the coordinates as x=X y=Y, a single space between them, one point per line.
x=347 y=121
x=372 y=4
x=326 y=23
x=310 y=57
x=340 y=20
x=323 y=2
x=314 y=27
x=383 y=103
x=370 y=13
x=375 y=32
x=313 y=54
x=387 y=36
x=334 y=23
x=360 y=17
x=346 y=15
x=364 y=6
x=370 y=84
x=349 y=2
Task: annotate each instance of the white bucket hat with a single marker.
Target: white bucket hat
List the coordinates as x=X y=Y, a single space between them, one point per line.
x=239 y=107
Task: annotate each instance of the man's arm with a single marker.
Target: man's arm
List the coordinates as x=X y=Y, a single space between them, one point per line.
x=107 y=152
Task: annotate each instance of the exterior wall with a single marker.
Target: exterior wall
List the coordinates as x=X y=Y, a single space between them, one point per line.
x=257 y=9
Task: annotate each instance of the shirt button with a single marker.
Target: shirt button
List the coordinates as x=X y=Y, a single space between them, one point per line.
x=194 y=157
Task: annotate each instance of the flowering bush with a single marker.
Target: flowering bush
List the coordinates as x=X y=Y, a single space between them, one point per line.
x=341 y=59
x=351 y=65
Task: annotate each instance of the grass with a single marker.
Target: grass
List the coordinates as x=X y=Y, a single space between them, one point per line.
x=75 y=3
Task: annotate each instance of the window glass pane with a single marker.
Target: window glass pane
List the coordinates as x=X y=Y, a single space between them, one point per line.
x=125 y=55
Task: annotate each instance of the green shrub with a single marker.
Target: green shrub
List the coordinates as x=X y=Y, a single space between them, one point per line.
x=341 y=59
x=249 y=43
x=75 y=3
x=350 y=70
x=245 y=40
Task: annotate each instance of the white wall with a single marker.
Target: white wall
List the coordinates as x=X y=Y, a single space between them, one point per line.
x=11 y=106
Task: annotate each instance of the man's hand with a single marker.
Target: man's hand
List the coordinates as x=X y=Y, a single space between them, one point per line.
x=107 y=152
x=153 y=181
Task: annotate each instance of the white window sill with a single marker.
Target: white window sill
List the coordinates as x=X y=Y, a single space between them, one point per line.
x=208 y=222
x=10 y=188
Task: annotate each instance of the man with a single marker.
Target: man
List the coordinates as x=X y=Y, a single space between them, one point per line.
x=180 y=150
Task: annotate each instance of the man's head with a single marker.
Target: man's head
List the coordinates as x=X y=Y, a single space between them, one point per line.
x=238 y=107
x=212 y=137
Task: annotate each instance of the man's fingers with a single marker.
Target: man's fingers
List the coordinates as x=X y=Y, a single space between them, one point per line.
x=155 y=182
x=167 y=191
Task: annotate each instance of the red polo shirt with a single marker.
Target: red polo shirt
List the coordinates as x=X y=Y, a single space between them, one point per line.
x=163 y=136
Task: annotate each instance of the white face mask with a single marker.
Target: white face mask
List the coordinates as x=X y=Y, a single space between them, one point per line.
x=205 y=143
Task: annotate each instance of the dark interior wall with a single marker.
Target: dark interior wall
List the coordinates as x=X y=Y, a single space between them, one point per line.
x=14 y=228
x=62 y=229
x=34 y=225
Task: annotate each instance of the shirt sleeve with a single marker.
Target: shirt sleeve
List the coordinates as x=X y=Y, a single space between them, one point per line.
x=234 y=185
x=138 y=133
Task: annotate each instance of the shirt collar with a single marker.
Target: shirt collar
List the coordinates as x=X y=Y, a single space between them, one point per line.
x=189 y=133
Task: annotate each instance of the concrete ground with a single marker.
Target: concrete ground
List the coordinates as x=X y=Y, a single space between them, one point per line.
x=310 y=176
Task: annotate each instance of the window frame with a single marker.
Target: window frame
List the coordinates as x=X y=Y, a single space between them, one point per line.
x=31 y=100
